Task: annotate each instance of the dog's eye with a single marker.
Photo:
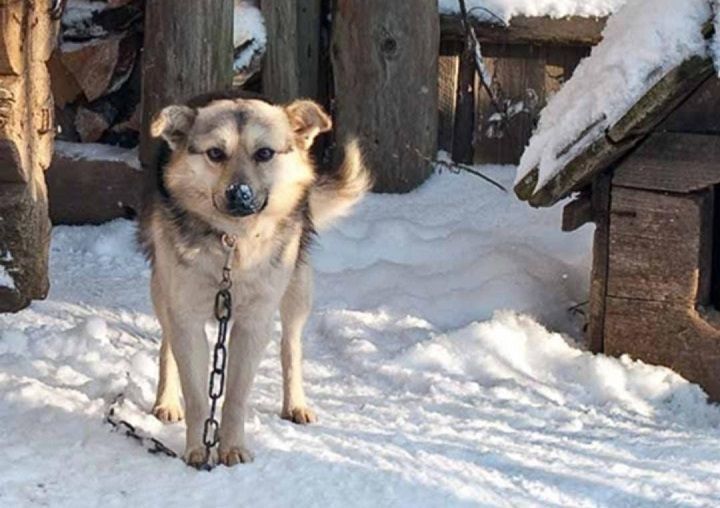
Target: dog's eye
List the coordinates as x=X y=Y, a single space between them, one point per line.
x=216 y=155
x=264 y=154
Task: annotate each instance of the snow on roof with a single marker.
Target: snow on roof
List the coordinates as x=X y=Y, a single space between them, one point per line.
x=506 y=9
x=641 y=42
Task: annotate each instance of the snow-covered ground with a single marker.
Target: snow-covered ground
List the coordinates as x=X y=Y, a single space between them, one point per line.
x=435 y=381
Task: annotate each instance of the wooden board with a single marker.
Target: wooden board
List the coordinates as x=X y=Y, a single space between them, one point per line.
x=188 y=50
x=385 y=67
x=666 y=333
x=655 y=245
x=601 y=200
x=292 y=59
x=448 y=68
x=465 y=107
x=523 y=75
x=699 y=114
x=672 y=162
x=571 y=31
x=671 y=91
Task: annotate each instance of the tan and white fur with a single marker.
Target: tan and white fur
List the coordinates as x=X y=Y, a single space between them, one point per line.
x=212 y=147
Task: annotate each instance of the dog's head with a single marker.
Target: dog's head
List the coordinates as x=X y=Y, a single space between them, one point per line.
x=233 y=159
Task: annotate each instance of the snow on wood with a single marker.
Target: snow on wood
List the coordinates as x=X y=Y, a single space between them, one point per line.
x=250 y=39
x=99 y=152
x=642 y=42
x=501 y=11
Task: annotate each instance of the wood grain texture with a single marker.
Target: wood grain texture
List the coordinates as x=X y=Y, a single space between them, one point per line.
x=448 y=68
x=570 y=31
x=385 y=66
x=601 y=200
x=188 y=50
x=291 y=68
x=465 y=101
x=655 y=245
x=26 y=143
x=673 y=162
x=666 y=333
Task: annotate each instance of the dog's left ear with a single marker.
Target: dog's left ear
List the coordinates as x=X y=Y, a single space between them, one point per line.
x=307 y=119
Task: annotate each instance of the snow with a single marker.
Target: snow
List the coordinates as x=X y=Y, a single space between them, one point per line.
x=505 y=10
x=429 y=358
x=100 y=152
x=6 y=279
x=641 y=43
x=249 y=30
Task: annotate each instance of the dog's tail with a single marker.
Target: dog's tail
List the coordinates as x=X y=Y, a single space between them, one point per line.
x=333 y=195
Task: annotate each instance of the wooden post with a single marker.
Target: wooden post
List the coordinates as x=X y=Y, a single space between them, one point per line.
x=27 y=37
x=385 y=66
x=188 y=51
x=292 y=59
x=464 y=132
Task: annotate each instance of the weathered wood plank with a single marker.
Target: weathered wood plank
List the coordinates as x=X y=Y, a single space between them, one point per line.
x=672 y=162
x=675 y=87
x=671 y=91
x=448 y=68
x=699 y=113
x=655 y=249
x=571 y=31
x=26 y=140
x=601 y=200
x=464 y=128
x=188 y=50
x=385 y=66
x=672 y=334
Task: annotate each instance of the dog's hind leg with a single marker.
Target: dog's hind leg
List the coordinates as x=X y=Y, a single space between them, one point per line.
x=294 y=311
x=167 y=406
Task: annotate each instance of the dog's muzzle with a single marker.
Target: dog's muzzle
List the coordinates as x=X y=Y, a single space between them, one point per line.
x=242 y=200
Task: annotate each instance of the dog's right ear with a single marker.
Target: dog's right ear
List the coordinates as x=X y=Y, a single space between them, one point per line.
x=173 y=124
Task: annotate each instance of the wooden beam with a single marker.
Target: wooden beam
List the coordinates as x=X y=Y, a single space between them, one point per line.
x=464 y=129
x=601 y=201
x=578 y=212
x=188 y=50
x=672 y=162
x=292 y=61
x=385 y=67
x=570 y=31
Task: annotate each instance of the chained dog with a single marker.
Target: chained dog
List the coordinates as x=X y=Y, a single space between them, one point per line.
x=237 y=189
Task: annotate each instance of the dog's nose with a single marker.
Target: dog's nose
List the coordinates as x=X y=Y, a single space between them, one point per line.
x=241 y=199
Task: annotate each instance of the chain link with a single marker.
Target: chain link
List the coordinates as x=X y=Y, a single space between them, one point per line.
x=151 y=444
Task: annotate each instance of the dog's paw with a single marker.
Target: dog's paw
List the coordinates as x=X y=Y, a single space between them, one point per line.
x=235 y=455
x=299 y=415
x=196 y=457
x=168 y=413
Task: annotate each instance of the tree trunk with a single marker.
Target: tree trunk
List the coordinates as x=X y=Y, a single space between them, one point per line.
x=188 y=51
x=385 y=65
x=27 y=37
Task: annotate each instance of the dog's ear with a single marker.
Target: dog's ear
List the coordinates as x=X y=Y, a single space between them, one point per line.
x=173 y=124
x=307 y=119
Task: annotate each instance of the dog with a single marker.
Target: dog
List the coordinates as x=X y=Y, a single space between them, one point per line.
x=238 y=167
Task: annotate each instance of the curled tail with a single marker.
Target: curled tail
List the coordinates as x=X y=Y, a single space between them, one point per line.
x=333 y=195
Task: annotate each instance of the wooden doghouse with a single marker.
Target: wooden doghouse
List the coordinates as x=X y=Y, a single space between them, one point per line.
x=650 y=184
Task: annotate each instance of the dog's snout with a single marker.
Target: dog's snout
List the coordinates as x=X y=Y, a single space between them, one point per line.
x=241 y=199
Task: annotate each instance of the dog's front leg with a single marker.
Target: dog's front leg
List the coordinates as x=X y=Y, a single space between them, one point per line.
x=248 y=340
x=190 y=349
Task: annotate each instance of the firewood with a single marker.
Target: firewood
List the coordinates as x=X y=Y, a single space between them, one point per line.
x=92 y=65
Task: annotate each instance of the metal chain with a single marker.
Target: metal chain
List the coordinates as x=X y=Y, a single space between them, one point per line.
x=151 y=444
x=223 y=313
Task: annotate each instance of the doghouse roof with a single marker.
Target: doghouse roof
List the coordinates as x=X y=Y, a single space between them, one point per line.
x=654 y=55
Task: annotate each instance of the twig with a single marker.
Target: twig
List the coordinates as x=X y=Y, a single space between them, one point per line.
x=457 y=167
